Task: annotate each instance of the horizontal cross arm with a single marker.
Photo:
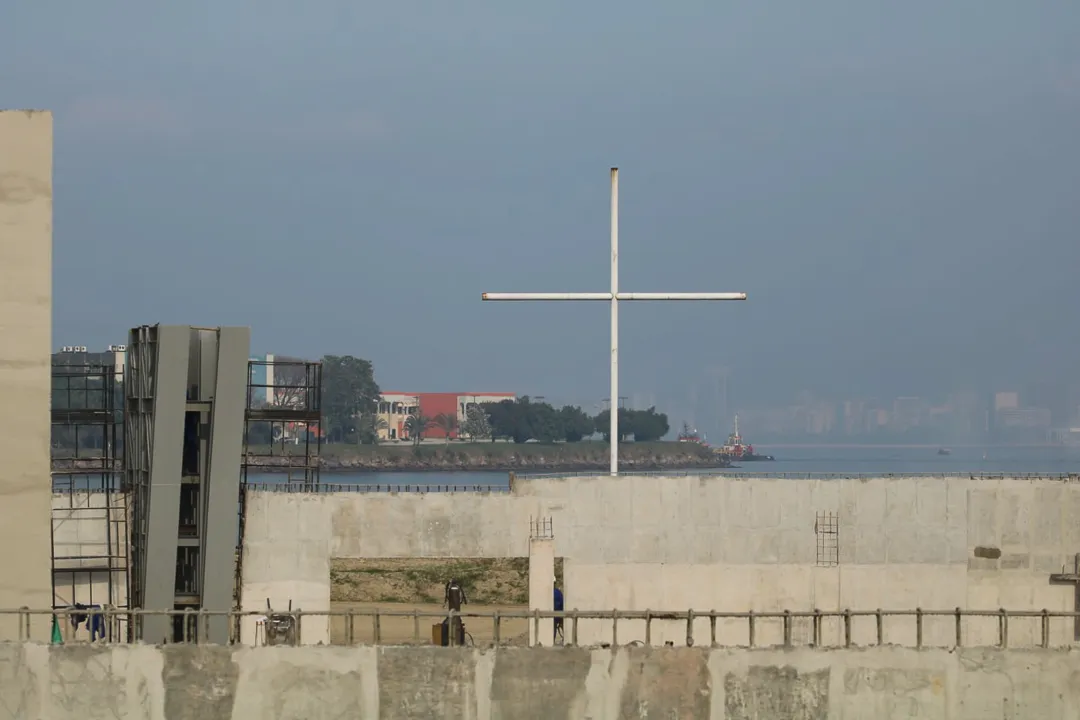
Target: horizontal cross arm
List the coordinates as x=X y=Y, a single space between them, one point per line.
x=1065 y=578
x=547 y=296
x=682 y=296
x=620 y=296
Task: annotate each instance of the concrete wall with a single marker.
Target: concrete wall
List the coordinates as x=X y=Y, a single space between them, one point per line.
x=287 y=558
x=218 y=683
x=25 y=340
x=709 y=542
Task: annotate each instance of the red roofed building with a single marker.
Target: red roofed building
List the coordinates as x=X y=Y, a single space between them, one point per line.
x=395 y=408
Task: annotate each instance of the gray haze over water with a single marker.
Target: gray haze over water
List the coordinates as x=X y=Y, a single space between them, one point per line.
x=894 y=184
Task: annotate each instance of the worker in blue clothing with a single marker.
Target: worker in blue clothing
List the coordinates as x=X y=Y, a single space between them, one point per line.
x=558 y=607
x=92 y=616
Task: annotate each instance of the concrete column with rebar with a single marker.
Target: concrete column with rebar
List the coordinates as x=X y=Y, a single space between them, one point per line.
x=541 y=581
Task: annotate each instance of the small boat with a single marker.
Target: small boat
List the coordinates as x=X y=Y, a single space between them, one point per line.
x=735 y=450
x=690 y=435
x=944 y=451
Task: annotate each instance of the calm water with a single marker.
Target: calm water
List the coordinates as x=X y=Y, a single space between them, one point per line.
x=879 y=461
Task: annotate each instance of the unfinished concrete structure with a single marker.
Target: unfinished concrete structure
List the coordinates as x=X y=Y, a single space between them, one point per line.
x=26 y=149
x=703 y=542
x=184 y=420
x=89 y=526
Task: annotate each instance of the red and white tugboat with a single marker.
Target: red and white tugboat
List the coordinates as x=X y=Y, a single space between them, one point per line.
x=736 y=450
x=690 y=435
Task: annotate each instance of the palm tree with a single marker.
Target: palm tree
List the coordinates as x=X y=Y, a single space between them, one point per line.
x=415 y=425
x=371 y=424
x=447 y=422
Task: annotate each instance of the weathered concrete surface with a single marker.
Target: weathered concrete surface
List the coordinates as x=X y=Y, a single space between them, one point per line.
x=220 y=683
x=25 y=339
x=727 y=543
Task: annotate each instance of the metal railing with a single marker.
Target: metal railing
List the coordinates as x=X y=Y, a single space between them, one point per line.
x=811 y=632
x=284 y=487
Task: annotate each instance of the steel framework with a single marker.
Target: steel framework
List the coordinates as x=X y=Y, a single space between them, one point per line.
x=89 y=519
x=282 y=433
x=184 y=416
x=139 y=430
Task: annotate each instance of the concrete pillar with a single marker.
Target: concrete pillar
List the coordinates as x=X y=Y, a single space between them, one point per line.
x=542 y=588
x=26 y=148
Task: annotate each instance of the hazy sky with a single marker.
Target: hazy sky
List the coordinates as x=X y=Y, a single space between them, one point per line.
x=894 y=184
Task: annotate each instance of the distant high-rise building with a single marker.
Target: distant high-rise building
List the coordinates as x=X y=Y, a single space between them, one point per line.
x=1006 y=400
x=1051 y=395
x=907 y=412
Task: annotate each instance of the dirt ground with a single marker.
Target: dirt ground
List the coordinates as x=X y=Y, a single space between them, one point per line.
x=487 y=581
x=405 y=585
x=403 y=630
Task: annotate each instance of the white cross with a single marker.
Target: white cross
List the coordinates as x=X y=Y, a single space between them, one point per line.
x=614 y=297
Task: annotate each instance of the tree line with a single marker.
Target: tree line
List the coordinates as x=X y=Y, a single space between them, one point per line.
x=522 y=420
x=350 y=399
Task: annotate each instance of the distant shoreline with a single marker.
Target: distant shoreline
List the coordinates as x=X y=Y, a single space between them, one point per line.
x=902 y=446
x=496 y=457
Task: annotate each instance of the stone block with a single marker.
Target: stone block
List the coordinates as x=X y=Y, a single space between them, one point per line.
x=871 y=502
x=870 y=545
x=515 y=694
x=677 y=682
x=1046 y=519
x=901 y=497
x=932 y=502
x=893 y=693
x=982 y=517
x=776 y=692
x=1014 y=517
x=1015 y=561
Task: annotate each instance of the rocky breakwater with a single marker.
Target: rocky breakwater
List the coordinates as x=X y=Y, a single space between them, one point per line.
x=527 y=457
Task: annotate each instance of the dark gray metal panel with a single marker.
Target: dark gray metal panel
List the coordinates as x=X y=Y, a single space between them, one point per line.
x=208 y=363
x=222 y=495
x=170 y=401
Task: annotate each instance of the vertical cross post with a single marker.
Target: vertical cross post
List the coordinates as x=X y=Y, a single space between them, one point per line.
x=614 y=296
x=613 y=407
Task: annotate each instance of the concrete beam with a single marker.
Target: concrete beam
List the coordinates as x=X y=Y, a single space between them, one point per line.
x=542 y=588
x=170 y=403
x=222 y=499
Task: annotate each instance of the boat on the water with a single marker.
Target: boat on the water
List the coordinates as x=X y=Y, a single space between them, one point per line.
x=690 y=435
x=944 y=451
x=735 y=449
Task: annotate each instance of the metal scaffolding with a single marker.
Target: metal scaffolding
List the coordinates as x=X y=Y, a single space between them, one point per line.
x=89 y=519
x=139 y=431
x=282 y=431
x=283 y=419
